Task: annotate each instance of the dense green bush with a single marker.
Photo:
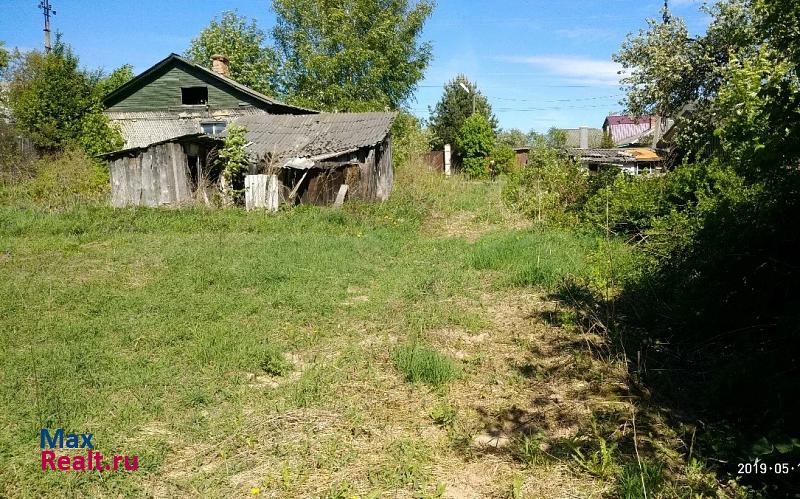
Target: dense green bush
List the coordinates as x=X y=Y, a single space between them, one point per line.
x=505 y=158
x=475 y=141
x=58 y=105
x=550 y=189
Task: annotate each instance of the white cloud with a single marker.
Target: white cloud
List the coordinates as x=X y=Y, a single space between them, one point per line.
x=573 y=69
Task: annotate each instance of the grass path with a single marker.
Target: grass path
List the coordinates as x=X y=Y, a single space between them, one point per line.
x=238 y=353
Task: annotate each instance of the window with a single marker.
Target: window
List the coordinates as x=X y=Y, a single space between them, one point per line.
x=194 y=96
x=213 y=127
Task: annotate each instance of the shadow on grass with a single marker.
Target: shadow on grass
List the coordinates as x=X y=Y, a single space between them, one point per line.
x=712 y=336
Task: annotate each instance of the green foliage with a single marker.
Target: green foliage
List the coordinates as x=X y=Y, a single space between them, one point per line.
x=62 y=180
x=234 y=163
x=252 y=62
x=475 y=141
x=351 y=56
x=453 y=109
x=409 y=139
x=271 y=361
x=512 y=137
x=504 y=157
x=628 y=205
x=443 y=414
x=550 y=188
x=4 y=57
x=49 y=96
x=630 y=481
x=58 y=105
x=528 y=449
x=107 y=84
x=425 y=365
x=97 y=134
x=607 y=142
x=600 y=462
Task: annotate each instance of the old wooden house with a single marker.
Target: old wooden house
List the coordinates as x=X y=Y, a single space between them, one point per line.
x=174 y=117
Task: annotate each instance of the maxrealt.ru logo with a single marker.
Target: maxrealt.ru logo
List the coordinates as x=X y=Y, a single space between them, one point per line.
x=91 y=461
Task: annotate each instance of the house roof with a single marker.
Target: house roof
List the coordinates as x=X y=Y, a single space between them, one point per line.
x=616 y=156
x=176 y=60
x=314 y=136
x=284 y=136
x=626 y=120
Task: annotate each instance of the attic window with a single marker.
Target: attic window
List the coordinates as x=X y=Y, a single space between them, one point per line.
x=213 y=127
x=194 y=96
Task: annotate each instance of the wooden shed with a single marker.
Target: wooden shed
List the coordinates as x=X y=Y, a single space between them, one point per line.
x=312 y=157
x=317 y=154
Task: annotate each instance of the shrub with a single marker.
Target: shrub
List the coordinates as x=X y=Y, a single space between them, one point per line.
x=233 y=159
x=505 y=159
x=422 y=364
x=63 y=180
x=409 y=140
x=628 y=205
x=272 y=361
x=550 y=189
x=475 y=141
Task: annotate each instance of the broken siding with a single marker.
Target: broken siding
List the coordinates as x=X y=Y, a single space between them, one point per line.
x=140 y=129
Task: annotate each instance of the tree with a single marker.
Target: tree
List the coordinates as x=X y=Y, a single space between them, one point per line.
x=352 y=55
x=667 y=70
x=512 y=137
x=475 y=141
x=57 y=105
x=4 y=57
x=106 y=84
x=455 y=106
x=49 y=96
x=252 y=63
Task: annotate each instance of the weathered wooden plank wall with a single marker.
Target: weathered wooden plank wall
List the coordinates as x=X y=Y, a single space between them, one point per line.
x=158 y=176
x=385 y=176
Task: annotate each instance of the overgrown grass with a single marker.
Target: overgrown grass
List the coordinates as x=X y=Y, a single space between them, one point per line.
x=541 y=257
x=235 y=351
x=420 y=364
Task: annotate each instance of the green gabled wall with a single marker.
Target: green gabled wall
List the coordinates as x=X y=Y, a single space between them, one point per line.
x=162 y=92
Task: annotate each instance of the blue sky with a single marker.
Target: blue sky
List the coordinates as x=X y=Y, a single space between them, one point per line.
x=540 y=63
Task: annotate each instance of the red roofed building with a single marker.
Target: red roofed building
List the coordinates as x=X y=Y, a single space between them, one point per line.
x=626 y=130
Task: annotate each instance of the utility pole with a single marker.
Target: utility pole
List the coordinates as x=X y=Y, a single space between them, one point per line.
x=468 y=91
x=46 y=10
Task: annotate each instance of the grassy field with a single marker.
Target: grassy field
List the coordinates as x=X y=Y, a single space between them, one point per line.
x=408 y=348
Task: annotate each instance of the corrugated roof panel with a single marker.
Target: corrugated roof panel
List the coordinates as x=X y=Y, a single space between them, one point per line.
x=312 y=135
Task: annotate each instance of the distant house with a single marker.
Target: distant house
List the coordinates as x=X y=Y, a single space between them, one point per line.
x=174 y=117
x=629 y=131
x=632 y=160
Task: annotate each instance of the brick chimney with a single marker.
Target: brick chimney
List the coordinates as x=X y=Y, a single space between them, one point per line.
x=220 y=64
